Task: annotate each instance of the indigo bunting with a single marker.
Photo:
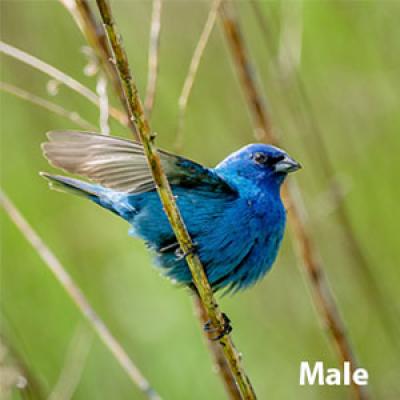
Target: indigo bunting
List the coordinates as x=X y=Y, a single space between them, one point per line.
x=233 y=212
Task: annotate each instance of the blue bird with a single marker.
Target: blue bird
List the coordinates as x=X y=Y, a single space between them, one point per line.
x=233 y=212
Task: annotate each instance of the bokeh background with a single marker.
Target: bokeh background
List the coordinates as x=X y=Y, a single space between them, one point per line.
x=339 y=85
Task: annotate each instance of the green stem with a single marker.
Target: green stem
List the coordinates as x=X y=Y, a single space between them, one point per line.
x=137 y=115
x=313 y=269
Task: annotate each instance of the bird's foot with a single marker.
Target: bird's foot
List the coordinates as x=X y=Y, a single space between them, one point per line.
x=226 y=328
x=173 y=246
x=181 y=255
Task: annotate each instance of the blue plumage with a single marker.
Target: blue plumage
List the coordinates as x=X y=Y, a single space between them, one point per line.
x=233 y=212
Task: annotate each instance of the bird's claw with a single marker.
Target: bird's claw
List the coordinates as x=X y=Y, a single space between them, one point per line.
x=226 y=328
x=153 y=136
x=180 y=255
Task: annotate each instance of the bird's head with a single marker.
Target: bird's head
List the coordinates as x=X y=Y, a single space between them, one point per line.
x=260 y=163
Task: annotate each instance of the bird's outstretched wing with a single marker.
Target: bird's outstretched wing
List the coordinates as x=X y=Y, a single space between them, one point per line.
x=121 y=165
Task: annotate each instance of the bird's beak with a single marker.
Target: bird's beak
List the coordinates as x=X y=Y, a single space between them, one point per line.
x=287 y=165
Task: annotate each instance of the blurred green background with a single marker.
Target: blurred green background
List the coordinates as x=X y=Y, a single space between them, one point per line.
x=349 y=62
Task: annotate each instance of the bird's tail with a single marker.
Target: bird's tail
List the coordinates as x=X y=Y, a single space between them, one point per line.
x=74 y=186
x=114 y=201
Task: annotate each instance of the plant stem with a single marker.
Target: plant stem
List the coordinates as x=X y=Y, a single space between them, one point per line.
x=322 y=294
x=95 y=35
x=194 y=66
x=78 y=297
x=219 y=359
x=136 y=114
x=244 y=68
x=290 y=77
x=31 y=388
x=47 y=105
x=154 y=47
x=58 y=76
x=74 y=364
x=101 y=89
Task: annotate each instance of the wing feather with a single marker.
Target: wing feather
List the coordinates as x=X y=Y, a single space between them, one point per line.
x=120 y=164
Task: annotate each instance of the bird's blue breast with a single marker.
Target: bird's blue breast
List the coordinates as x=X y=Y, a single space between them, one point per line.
x=237 y=236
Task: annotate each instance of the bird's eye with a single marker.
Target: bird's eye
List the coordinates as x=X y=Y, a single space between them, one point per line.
x=260 y=158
